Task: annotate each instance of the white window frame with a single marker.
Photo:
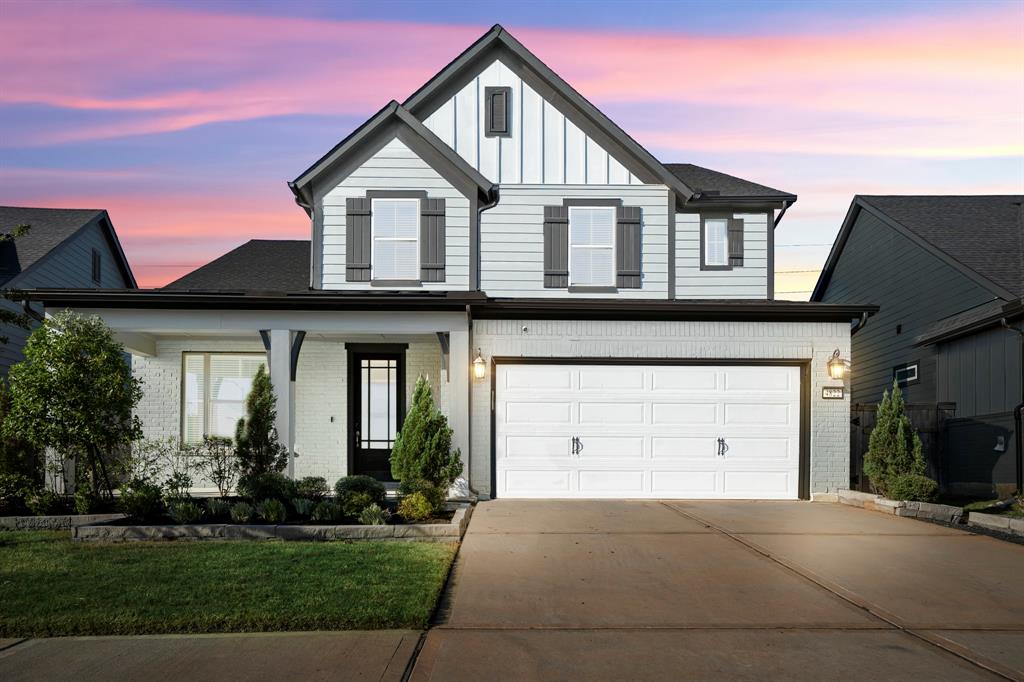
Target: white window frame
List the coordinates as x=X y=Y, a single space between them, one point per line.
x=707 y=243
x=205 y=355
x=613 y=210
x=906 y=369
x=415 y=238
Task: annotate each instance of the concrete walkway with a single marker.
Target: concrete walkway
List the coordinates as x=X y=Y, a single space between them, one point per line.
x=734 y=590
x=378 y=655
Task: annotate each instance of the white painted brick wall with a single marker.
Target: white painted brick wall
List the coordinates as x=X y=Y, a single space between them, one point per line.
x=830 y=429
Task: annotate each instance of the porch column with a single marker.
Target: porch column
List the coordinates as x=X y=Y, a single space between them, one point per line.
x=280 y=356
x=458 y=395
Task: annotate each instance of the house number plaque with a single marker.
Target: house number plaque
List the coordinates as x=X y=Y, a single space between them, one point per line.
x=832 y=392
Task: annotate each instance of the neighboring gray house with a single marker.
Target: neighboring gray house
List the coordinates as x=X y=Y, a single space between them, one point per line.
x=64 y=248
x=947 y=273
x=594 y=323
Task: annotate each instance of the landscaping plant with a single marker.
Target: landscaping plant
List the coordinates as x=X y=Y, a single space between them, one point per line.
x=894 y=448
x=434 y=494
x=312 y=488
x=18 y=456
x=354 y=503
x=75 y=393
x=184 y=512
x=13 y=489
x=349 y=485
x=911 y=486
x=373 y=515
x=217 y=508
x=326 y=512
x=268 y=485
x=256 y=445
x=303 y=507
x=242 y=512
x=271 y=511
x=43 y=502
x=141 y=500
x=423 y=448
x=415 y=508
x=218 y=463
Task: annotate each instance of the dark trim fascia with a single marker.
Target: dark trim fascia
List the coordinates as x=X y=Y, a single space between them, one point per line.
x=1012 y=310
x=396 y=194
x=363 y=347
x=804 y=462
x=395 y=283
x=585 y=203
x=575 y=289
x=770 y=268
x=713 y=215
x=297 y=340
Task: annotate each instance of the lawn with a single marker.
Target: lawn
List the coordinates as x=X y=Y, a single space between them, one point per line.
x=1015 y=511
x=52 y=586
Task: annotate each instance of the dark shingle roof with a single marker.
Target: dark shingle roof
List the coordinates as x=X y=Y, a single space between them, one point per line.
x=981 y=232
x=257 y=265
x=48 y=229
x=711 y=182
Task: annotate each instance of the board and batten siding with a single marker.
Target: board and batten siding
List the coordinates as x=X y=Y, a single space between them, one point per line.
x=512 y=239
x=396 y=167
x=747 y=281
x=70 y=267
x=544 y=146
x=914 y=288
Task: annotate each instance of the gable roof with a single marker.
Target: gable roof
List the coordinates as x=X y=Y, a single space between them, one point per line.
x=393 y=114
x=49 y=230
x=979 y=235
x=257 y=265
x=712 y=184
x=498 y=41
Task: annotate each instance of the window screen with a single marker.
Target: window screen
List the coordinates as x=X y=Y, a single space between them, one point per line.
x=396 y=226
x=716 y=241
x=591 y=246
x=215 y=388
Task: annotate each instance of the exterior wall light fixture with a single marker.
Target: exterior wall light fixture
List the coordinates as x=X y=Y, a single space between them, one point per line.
x=837 y=366
x=479 y=366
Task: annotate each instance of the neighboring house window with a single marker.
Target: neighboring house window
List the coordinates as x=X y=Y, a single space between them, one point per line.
x=97 y=266
x=592 y=246
x=498 y=111
x=716 y=242
x=396 y=228
x=905 y=374
x=214 y=388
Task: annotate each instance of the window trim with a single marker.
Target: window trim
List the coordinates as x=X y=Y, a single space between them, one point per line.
x=613 y=209
x=915 y=365
x=183 y=392
x=414 y=280
x=489 y=92
x=97 y=266
x=704 y=218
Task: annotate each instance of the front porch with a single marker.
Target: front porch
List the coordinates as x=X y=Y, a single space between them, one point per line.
x=343 y=380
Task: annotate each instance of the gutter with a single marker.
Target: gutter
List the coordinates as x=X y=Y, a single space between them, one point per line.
x=858 y=324
x=778 y=218
x=479 y=218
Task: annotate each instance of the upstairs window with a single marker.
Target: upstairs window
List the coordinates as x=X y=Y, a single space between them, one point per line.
x=716 y=242
x=396 y=228
x=498 y=112
x=907 y=374
x=592 y=246
x=97 y=266
x=213 y=392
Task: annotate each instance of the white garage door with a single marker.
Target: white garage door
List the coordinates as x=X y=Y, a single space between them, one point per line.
x=661 y=431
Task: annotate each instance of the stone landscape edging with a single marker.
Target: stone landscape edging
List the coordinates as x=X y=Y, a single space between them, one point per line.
x=425 y=532
x=914 y=510
x=55 y=522
x=997 y=522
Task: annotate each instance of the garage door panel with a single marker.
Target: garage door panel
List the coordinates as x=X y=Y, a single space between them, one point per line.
x=621 y=482
x=530 y=482
x=517 y=413
x=758 y=484
x=762 y=414
x=684 y=379
x=614 y=447
x=687 y=483
x=759 y=379
x=598 y=378
x=534 y=447
x=759 y=449
x=685 y=414
x=612 y=414
x=674 y=449
x=539 y=378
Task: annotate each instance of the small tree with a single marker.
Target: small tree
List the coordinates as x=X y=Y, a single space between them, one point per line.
x=423 y=448
x=74 y=392
x=894 y=448
x=218 y=462
x=256 y=445
x=9 y=316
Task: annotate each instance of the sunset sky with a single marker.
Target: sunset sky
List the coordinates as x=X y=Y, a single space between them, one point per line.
x=185 y=120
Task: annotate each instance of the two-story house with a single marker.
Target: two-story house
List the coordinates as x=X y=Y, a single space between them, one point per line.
x=595 y=323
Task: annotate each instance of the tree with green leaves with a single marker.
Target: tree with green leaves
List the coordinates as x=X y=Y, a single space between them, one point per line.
x=423 y=448
x=256 y=445
x=75 y=393
x=894 y=448
x=8 y=316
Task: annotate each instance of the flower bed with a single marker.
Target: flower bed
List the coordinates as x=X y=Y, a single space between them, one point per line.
x=55 y=522
x=449 y=531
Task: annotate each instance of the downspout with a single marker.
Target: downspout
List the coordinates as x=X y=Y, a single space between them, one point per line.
x=26 y=306
x=1018 y=412
x=778 y=218
x=479 y=233
x=858 y=324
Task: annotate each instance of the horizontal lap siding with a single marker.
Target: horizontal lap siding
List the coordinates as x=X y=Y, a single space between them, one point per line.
x=396 y=167
x=748 y=281
x=512 y=239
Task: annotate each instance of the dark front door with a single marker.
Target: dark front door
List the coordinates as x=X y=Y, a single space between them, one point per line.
x=376 y=409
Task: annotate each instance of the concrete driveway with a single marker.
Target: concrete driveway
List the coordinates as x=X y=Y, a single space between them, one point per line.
x=734 y=590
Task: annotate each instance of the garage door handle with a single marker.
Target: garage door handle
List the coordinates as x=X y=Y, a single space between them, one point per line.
x=722 y=447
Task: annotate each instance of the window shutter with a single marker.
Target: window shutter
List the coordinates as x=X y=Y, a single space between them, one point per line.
x=496 y=110
x=432 y=240
x=556 y=247
x=357 y=239
x=735 y=241
x=628 y=243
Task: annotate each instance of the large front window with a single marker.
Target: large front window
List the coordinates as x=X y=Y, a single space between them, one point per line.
x=215 y=388
x=396 y=227
x=592 y=246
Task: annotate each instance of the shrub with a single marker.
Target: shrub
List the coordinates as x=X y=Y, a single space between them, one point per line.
x=327 y=512
x=177 y=487
x=303 y=507
x=256 y=445
x=86 y=500
x=894 y=448
x=913 y=487
x=271 y=511
x=312 y=488
x=17 y=455
x=43 y=502
x=217 y=508
x=141 y=500
x=354 y=503
x=360 y=484
x=218 y=462
x=242 y=512
x=423 y=448
x=13 y=488
x=373 y=515
x=415 y=507
x=184 y=512
x=269 y=485
x=435 y=495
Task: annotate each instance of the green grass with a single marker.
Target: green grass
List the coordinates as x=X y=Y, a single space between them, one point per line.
x=51 y=586
x=1016 y=511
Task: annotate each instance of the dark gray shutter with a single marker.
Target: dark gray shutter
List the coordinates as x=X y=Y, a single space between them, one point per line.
x=357 y=239
x=556 y=247
x=496 y=110
x=628 y=243
x=735 y=242
x=432 y=242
